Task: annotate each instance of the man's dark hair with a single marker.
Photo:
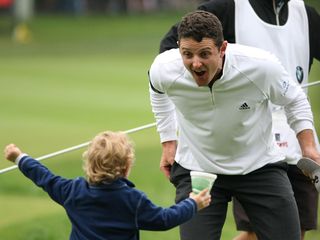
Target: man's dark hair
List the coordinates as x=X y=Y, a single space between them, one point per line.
x=201 y=24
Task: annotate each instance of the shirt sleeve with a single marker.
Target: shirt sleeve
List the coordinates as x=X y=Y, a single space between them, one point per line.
x=152 y=217
x=284 y=91
x=57 y=187
x=162 y=107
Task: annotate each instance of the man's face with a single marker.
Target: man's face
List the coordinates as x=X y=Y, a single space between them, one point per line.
x=202 y=59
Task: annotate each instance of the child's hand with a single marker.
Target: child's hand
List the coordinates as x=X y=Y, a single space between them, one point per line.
x=202 y=199
x=11 y=152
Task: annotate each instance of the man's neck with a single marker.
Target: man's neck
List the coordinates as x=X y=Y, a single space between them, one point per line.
x=218 y=73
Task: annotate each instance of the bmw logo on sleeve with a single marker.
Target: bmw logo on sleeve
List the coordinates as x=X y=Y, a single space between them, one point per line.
x=299 y=74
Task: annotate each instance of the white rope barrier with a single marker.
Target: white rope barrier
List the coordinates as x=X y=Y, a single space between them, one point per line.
x=310 y=84
x=70 y=149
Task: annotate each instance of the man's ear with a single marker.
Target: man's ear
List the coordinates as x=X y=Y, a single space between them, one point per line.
x=223 y=48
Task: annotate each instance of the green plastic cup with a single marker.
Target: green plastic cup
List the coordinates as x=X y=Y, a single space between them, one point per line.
x=202 y=180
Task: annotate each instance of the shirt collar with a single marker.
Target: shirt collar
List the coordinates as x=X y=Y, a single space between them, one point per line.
x=116 y=184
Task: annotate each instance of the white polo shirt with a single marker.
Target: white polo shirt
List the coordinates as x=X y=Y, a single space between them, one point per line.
x=226 y=129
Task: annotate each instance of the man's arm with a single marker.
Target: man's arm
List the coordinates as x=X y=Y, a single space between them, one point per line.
x=167 y=158
x=300 y=119
x=308 y=145
x=164 y=112
x=284 y=91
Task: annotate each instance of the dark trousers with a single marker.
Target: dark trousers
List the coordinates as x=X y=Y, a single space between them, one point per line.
x=306 y=197
x=265 y=194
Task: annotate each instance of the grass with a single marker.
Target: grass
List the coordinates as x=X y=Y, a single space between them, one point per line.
x=77 y=77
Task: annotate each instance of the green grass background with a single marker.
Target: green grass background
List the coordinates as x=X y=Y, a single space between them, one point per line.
x=78 y=77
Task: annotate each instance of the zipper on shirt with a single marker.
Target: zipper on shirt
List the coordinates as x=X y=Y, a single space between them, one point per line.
x=211 y=95
x=277 y=6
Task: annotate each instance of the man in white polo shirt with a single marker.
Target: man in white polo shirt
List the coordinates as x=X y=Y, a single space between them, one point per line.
x=294 y=38
x=220 y=95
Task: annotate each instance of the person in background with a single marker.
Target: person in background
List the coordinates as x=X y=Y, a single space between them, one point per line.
x=106 y=205
x=294 y=38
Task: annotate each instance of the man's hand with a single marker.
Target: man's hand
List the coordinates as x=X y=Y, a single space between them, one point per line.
x=311 y=169
x=167 y=158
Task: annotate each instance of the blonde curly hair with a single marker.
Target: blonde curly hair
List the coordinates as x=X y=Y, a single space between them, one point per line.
x=109 y=156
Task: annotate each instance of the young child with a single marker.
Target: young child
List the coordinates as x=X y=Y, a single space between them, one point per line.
x=106 y=205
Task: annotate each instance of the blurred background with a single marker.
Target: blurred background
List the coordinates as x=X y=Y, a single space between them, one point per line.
x=70 y=69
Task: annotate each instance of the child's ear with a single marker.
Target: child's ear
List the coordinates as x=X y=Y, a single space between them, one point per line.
x=128 y=169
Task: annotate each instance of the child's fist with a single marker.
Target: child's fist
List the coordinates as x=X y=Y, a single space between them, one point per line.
x=11 y=152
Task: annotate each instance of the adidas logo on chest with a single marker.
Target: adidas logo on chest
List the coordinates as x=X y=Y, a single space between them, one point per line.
x=244 y=106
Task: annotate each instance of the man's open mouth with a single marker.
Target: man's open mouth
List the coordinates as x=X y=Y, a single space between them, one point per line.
x=201 y=73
